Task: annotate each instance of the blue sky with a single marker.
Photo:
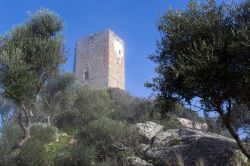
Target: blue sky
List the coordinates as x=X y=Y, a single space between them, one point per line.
x=133 y=20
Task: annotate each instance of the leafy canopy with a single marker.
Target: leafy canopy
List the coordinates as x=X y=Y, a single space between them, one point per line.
x=29 y=54
x=204 y=53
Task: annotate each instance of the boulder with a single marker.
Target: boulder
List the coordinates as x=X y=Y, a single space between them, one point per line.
x=135 y=161
x=187 y=146
x=148 y=130
x=192 y=124
x=168 y=136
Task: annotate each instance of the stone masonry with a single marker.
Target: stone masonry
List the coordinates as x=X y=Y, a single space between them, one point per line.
x=99 y=61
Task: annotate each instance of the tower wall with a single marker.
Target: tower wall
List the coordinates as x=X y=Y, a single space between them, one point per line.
x=116 y=62
x=99 y=61
x=92 y=57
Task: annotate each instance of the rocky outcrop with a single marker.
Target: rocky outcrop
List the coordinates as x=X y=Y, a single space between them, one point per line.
x=186 y=146
x=135 y=161
x=148 y=130
x=192 y=124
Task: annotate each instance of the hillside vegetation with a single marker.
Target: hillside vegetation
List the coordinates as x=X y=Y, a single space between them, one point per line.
x=77 y=125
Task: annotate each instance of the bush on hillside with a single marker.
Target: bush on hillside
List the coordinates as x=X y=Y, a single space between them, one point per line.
x=89 y=105
x=43 y=133
x=9 y=135
x=78 y=155
x=90 y=100
x=112 y=139
x=181 y=111
x=69 y=119
x=33 y=154
x=128 y=108
x=92 y=104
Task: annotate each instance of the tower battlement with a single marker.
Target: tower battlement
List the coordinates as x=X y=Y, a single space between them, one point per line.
x=99 y=60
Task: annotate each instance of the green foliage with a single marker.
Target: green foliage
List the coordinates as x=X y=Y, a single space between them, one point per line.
x=59 y=150
x=78 y=155
x=33 y=154
x=69 y=119
x=60 y=83
x=200 y=54
x=83 y=154
x=96 y=101
x=62 y=153
x=170 y=123
x=109 y=137
x=44 y=134
x=29 y=54
x=240 y=118
x=100 y=135
x=90 y=104
x=43 y=149
x=178 y=111
x=128 y=108
x=9 y=135
x=57 y=98
x=204 y=55
x=45 y=23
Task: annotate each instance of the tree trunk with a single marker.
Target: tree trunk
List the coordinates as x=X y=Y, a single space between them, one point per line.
x=235 y=135
x=24 y=120
x=26 y=135
x=25 y=126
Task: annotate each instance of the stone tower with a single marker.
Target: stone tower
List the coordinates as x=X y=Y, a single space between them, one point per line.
x=99 y=61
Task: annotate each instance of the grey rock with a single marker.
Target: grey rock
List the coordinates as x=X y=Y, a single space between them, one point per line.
x=186 y=146
x=166 y=137
x=192 y=124
x=148 y=130
x=135 y=161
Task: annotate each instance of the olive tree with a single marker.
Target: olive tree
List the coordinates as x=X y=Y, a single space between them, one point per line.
x=57 y=97
x=204 y=54
x=29 y=54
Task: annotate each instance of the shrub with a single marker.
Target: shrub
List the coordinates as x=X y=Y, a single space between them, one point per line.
x=89 y=105
x=59 y=151
x=83 y=155
x=92 y=101
x=187 y=113
x=129 y=108
x=64 y=152
x=111 y=138
x=9 y=135
x=33 y=154
x=43 y=133
x=170 y=123
x=78 y=155
x=69 y=119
